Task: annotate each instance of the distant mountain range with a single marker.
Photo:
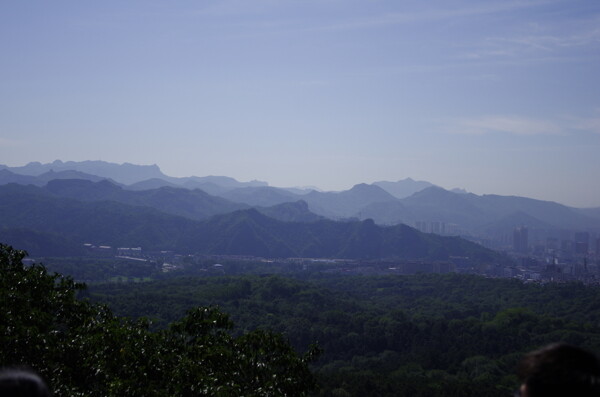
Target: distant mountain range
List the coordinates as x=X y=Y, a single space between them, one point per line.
x=49 y=219
x=194 y=204
x=387 y=203
x=143 y=177
x=128 y=174
x=122 y=173
x=7 y=176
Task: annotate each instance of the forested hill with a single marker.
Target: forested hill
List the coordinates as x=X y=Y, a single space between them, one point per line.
x=244 y=232
x=259 y=235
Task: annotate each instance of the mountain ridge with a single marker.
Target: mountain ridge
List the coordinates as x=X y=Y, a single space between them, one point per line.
x=469 y=213
x=242 y=232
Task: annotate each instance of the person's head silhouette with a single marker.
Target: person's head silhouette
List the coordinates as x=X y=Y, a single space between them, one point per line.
x=22 y=383
x=559 y=370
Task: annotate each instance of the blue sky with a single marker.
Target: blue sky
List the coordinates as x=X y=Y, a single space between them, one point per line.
x=493 y=96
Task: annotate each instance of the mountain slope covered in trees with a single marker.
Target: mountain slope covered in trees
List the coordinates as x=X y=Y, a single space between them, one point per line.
x=244 y=232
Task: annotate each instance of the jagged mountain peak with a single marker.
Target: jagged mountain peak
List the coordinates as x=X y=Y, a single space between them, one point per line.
x=403 y=188
x=433 y=191
x=373 y=190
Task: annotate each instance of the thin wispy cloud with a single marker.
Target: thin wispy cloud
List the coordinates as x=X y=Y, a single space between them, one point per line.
x=525 y=126
x=432 y=14
x=548 y=42
x=578 y=37
x=588 y=124
x=507 y=124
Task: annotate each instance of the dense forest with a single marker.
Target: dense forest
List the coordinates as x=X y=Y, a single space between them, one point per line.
x=83 y=349
x=421 y=335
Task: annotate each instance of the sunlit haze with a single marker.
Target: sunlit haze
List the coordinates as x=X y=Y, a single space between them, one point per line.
x=497 y=97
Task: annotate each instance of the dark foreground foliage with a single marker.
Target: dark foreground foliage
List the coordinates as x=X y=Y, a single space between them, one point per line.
x=82 y=349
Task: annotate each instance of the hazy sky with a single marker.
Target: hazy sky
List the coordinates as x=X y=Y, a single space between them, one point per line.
x=493 y=96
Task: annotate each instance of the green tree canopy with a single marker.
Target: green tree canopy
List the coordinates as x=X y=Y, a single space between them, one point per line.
x=81 y=348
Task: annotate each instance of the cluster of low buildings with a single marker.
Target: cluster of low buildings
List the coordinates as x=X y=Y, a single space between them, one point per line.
x=552 y=260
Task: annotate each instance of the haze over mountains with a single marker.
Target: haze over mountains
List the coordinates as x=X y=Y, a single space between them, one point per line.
x=31 y=213
x=127 y=174
x=140 y=177
x=92 y=187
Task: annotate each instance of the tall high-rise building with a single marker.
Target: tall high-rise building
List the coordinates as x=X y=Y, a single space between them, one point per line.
x=551 y=244
x=521 y=240
x=567 y=247
x=582 y=243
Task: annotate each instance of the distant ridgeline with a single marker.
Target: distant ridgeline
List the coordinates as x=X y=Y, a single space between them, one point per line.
x=60 y=217
x=415 y=203
x=82 y=349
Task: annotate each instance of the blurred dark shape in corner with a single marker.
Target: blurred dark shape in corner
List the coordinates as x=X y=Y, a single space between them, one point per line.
x=22 y=383
x=559 y=369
